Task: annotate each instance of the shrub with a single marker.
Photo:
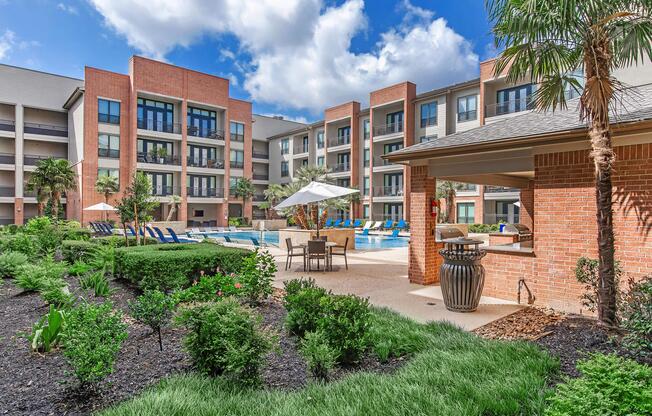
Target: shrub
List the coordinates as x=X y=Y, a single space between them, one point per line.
x=74 y=250
x=29 y=277
x=56 y=293
x=97 y=282
x=46 y=333
x=92 y=340
x=209 y=288
x=119 y=241
x=103 y=258
x=484 y=228
x=20 y=242
x=226 y=338
x=256 y=276
x=75 y=233
x=586 y=272
x=345 y=323
x=319 y=355
x=10 y=262
x=79 y=268
x=609 y=385
x=154 y=309
x=304 y=307
x=37 y=225
x=170 y=266
x=637 y=316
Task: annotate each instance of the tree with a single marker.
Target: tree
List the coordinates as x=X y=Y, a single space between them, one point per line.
x=57 y=177
x=137 y=203
x=307 y=174
x=175 y=200
x=107 y=186
x=36 y=184
x=244 y=189
x=274 y=193
x=447 y=190
x=550 y=41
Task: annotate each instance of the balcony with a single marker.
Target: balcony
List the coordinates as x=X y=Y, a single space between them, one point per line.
x=110 y=153
x=46 y=129
x=33 y=160
x=7 y=159
x=7 y=191
x=339 y=140
x=203 y=162
x=467 y=115
x=158 y=160
x=160 y=190
x=236 y=164
x=491 y=189
x=6 y=221
x=7 y=125
x=205 y=133
x=106 y=118
x=508 y=107
x=380 y=191
x=300 y=149
x=158 y=125
x=237 y=137
x=205 y=192
x=258 y=198
x=260 y=176
x=386 y=129
x=259 y=155
x=379 y=161
x=340 y=167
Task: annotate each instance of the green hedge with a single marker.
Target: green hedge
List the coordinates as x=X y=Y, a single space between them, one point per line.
x=119 y=241
x=73 y=250
x=170 y=266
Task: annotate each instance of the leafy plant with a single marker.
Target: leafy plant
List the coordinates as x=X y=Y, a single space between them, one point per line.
x=257 y=275
x=103 y=258
x=56 y=293
x=10 y=262
x=345 y=323
x=209 y=288
x=29 y=277
x=98 y=282
x=92 y=340
x=79 y=268
x=586 y=272
x=609 y=385
x=154 y=309
x=319 y=355
x=46 y=333
x=637 y=316
x=303 y=304
x=226 y=338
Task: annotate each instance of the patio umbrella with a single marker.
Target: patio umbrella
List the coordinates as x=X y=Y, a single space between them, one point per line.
x=315 y=192
x=100 y=207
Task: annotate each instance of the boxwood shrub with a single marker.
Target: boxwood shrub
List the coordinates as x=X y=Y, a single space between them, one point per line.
x=119 y=241
x=171 y=266
x=74 y=250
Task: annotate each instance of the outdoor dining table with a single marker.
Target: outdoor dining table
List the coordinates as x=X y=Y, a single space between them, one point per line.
x=329 y=249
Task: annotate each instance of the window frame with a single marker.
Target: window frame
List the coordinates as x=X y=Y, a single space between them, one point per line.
x=285 y=146
x=466 y=99
x=431 y=119
x=466 y=216
x=109 y=152
x=112 y=107
x=285 y=169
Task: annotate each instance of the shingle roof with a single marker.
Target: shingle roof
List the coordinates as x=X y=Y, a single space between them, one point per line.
x=636 y=105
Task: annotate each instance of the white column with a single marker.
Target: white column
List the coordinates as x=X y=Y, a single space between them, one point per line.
x=19 y=151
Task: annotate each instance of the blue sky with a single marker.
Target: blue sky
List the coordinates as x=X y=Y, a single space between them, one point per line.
x=291 y=57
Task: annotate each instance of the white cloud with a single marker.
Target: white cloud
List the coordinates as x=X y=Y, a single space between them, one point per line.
x=67 y=8
x=300 y=51
x=7 y=42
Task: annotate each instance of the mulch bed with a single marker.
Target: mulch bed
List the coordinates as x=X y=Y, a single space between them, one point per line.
x=38 y=384
x=568 y=337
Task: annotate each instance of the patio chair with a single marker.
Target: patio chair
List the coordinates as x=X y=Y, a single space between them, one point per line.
x=328 y=223
x=233 y=229
x=357 y=223
x=317 y=251
x=401 y=224
x=176 y=238
x=227 y=239
x=293 y=253
x=158 y=236
x=337 y=223
x=388 y=225
x=341 y=253
x=395 y=232
x=347 y=224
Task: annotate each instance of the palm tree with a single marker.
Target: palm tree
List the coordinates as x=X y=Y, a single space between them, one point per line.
x=447 y=190
x=175 y=200
x=36 y=184
x=274 y=193
x=107 y=185
x=549 y=41
x=307 y=174
x=298 y=212
x=57 y=176
x=244 y=189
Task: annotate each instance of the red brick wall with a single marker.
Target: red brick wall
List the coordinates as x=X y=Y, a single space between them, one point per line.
x=424 y=259
x=503 y=271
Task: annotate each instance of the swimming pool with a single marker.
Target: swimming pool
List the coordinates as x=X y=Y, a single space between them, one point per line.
x=362 y=242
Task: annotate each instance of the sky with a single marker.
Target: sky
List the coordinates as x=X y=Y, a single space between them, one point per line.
x=289 y=57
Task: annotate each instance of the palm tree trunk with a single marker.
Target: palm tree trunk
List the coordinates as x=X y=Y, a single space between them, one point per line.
x=300 y=215
x=323 y=218
x=56 y=196
x=450 y=196
x=314 y=212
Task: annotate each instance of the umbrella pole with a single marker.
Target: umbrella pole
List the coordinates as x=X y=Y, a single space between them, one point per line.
x=317 y=223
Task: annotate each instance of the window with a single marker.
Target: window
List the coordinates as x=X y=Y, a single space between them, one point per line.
x=154 y=151
x=201 y=186
x=320 y=161
x=365 y=210
x=285 y=169
x=429 y=114
x=202 y=123
x=424 y=139
x=468 y=187
x=108 y=111
x=109 y=172
x=108 y=146
x=205 y=157
x=394 y=123
x=367 y=156
x=365 y=186
x=392 y=147
x=156 y=116
x=162 y=184
x=233 y=182
x=285 y=146
x=320 y=140
x=342 y=162
x=393 y=211
x=237 y=159
x=344 y=183
x=513 y=100
x=198 y=213
x=465 y=213
x=237 y=132
x=365 y=129
x=392 y=184
x=305 y=142
x=343 y=136
x=304 y=162
x=467 y=108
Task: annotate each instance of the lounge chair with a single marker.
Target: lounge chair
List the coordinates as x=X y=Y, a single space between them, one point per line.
x=195 y=231
x=255 y=241
x=357 y=223
x=365 y=231
x=105 y=228
x=401 y=225
x=227 y=239
x=158 y=236
x=328 y=223
x=367 y=225
x=395 y=232
x=337 y=223
x=342 y=253
x=176 y=238
x=377 y=225
x=388 y=225
x=131 y=230
x=347 y=224
x=233 y=229
x=221 y=230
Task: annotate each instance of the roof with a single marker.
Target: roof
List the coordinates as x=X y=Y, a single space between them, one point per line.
x=635 y=106
x=475 y=82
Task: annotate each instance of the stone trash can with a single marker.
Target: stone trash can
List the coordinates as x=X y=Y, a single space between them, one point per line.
x=462 y=274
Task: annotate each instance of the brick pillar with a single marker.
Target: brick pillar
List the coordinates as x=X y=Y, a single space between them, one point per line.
x=221 y=214
x=19 y=213
x=424 y=260
x=526 y=211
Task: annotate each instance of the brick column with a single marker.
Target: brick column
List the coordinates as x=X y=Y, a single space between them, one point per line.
x=424 y=261
x=526 y=211
x=19 y=214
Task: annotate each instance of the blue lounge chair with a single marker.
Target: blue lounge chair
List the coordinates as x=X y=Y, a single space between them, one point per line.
x=347 y=224
x=365 y=231
x=159 y=235
x=357 y=223
x=178 y=239
x=131 y=229
x=337 y=223
x=388 y=224
x=328 y=223
x=95 y=228
x=401 y=225
x=105 y=229
x=227 y=239
x=255 y=241
x=395 y=232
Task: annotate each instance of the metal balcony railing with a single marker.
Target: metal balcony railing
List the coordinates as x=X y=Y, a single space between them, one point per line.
x=160 y=190
x=508 y=107
x=106 y=118
x=7 y=159
x=237 y=137
x=7 y=125
x=379 y=161
x=111 y=153
x=6 y=221
x=261 y=176
x=385 y=129
x=258 y=198
x=236 y=164
x=467 y=115
x=200 y=192
x=300 y=149
x=158 y=125
x=339 y=140
x=259 y=155
x=206 y=133
x=34 y=160
x=46 y=129
x=203 y=162
x=158 y=160
x=340 y=167
x=388 y=191
x=491 y=189
x=7 y=191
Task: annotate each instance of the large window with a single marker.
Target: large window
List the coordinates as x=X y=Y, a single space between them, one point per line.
x=366 y=132
x=366 y=183
x=285 y=169
x=155 y=151
x=237 y=132
x=393 y=211
x=320 y=140
x=156 y=116
x=201 y=186
x=237 y=159
x=108 y=111
x=233 y=183
x=343 y=162
x=109 y=172
x=465 y=213
x=365 y=211
x=467 y=108
x=202 y=123
x=367 y=156
x=513 y=100
x=108 y=146
x=394 y=123
x=285 y=146
x=392 y=184
x=305 y=141
x=205 y=157
x=162 y=184
x=429 y=114
x=320 y=161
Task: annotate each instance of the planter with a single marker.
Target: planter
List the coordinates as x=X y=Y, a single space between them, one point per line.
x=461 y=275
x=270 y=225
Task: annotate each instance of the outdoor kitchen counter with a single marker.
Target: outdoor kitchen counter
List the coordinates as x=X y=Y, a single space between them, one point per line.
x=524 y=247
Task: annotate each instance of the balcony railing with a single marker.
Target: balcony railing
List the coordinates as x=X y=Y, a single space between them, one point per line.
x=339 y=140
x=259 y=155
x=236 y=164
x=112 y=153
x=7 y=159
x=388 y=129
x=203 y=162
x=158 y=125
x=7 y=191
x=340 y=167
x=300 y=149
x=158 y=160
x=509 y=107
x=160 y=190
x=200 y=192
x=33 y=160
x=6 y=221
x=498 y=218
x=261 y=176
x=206 y=133
x=46 y=129
x=467 y=115
x=7 y=125
x=258 y=198
x=237 y=137
x=106 y=118
x=491 y=189
x=379 y=161
x=388 y=191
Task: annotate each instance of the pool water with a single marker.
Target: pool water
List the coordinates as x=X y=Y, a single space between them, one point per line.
x=362 y=242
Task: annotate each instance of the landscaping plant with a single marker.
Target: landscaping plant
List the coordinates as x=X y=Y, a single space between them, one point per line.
x=345 y=322
x=46 y=333
x=319 y=355
x=586 y=272
x=56 y=293
x=609 y=385
x=256 y=276
x=226 y=338
x=97 y=282
x=209 y=288
x=154 y=309
x=79 y=268
x=92 y=340
x=637 y=316
x=303 y=304
x=10 y=262
x=76 y=250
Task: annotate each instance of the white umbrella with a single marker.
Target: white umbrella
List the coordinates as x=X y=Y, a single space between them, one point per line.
x=315 y=192
x=517 y=203
x=100 y=207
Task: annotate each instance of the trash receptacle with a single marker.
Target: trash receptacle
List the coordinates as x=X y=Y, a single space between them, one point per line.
x=462 y=274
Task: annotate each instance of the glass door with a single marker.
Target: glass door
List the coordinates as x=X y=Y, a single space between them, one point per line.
x=393 y=212
x=393 y=184
x=394 y=122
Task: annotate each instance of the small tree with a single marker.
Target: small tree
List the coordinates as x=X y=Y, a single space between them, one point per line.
x=107 y=186
x=447 y=190
x=154 y=309
x=175 y=200
x=137 y=202
x=244 y=189
x=57 y=177
x=37 y=183
x=274 y=193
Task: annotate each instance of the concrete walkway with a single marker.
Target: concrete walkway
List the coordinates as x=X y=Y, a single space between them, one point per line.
x=381 y=276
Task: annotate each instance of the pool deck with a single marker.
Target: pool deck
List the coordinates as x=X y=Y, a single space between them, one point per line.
x=381 y=276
